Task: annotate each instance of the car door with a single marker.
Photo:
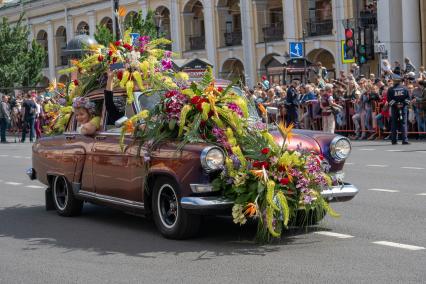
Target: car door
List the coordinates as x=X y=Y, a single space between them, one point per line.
x=117 y=173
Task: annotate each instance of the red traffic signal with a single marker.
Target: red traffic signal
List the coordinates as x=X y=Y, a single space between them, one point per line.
x=349 y=43
x=349 y=33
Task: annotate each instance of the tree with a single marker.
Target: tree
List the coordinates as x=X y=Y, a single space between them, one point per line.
x=138 y=24
x=21 y=62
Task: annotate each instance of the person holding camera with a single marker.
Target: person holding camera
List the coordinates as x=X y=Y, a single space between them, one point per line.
x=398 y=99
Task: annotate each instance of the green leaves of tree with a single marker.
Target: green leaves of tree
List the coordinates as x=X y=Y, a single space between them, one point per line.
x=21 y=62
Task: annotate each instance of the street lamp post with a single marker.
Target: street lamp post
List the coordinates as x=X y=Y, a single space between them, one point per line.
x=157 y=21
x=115 y=8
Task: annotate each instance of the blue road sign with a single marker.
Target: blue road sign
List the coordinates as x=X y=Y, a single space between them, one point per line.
x=296 y=50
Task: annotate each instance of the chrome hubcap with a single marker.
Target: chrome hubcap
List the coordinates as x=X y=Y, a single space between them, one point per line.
x=60 y=191
x=167 y=206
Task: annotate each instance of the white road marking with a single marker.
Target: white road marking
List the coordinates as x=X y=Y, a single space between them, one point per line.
x=28 y=158
x=350 y=164
x=4 y=155
x=367 y=149
x=336 y=235
x=421 y=194
x=13 y=183
x=398 y=245
x=33 y=186
x=378 y=166
x=383 y=190
x=412 y=168
x=393 y=150
x=17 y=157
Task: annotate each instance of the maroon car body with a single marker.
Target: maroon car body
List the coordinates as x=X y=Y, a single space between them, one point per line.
x=76 y=168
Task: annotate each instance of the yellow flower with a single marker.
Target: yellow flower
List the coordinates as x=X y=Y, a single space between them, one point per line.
x=286 y=131
x=112 y=48
x=182 y=76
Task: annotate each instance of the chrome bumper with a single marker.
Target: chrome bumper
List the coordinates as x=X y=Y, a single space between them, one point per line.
x=341 y=193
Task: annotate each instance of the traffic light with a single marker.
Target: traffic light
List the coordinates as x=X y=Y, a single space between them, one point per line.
x=349 y=43
x=362 y=54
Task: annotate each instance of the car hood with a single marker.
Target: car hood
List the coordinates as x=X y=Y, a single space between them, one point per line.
x=316 y=141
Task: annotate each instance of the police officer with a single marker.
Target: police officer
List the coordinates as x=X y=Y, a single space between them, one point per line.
x=291 y=103
x=398 y=99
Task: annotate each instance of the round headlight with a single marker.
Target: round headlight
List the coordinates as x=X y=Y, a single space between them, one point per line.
x=340 y=149
x=212 y=158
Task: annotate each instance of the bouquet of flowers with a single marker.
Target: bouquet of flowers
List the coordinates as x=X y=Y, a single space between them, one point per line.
x=265 y=179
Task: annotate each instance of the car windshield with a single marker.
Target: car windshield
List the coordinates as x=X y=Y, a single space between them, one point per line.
x=150 y=102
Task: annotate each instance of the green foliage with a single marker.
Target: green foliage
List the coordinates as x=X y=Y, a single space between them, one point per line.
x=142 y=26
x=103 y=35
x=21 y=63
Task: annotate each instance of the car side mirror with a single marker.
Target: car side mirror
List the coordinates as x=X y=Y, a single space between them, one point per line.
x=120 y=122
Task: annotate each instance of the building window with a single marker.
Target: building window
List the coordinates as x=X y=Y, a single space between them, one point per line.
x=319 y=18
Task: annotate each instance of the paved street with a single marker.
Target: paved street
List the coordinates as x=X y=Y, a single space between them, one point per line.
x=380 y=237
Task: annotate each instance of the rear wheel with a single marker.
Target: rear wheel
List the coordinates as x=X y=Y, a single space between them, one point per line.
x=171 y=220
x=63 y=198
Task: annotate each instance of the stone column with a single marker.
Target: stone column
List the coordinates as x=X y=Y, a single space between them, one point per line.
x=338 y=16
x=51 y=50
x=175 y=27
x=248 y=34
x=290 y=17
x=92 y=22
x=69 y=24
x=411 y=36
x=390 y=27
x=210 y=34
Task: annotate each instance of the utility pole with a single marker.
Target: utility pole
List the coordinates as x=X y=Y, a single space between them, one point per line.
x=304 y=55
x=115 y=26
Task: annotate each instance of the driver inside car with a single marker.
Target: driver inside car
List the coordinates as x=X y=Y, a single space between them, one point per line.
x=87 y=122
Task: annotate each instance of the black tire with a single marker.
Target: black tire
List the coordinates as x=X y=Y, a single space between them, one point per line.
x=63 y=198
x=171 y=220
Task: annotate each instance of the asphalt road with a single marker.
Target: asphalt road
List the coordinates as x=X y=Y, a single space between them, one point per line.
x=380 y=237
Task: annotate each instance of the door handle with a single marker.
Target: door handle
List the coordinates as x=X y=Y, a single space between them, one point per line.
x=99 y=138
x=70 y=137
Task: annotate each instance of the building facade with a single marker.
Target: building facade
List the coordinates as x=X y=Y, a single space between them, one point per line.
x=239 y=37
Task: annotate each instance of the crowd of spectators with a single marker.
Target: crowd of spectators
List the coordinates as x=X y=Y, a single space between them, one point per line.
x=23 y=115
x=352 y=103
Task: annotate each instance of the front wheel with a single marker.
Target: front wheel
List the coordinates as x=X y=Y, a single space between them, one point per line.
x=63 y=198
x=171 y=220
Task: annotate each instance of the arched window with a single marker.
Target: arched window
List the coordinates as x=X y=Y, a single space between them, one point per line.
x=61 y=43
x=42 y=40
x=194 y=25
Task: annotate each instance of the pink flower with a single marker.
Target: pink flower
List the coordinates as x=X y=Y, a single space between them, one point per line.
x=166 y=64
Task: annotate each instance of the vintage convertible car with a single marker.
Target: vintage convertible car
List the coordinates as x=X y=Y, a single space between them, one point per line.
x=177 y=191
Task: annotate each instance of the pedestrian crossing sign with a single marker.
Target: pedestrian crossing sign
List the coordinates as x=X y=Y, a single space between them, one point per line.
x=296 y=50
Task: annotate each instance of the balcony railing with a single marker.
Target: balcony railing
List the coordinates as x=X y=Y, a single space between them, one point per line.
x=274 y=32
x=368 y=19
x=197 y=42
x=320 y=28
x=233 y=38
